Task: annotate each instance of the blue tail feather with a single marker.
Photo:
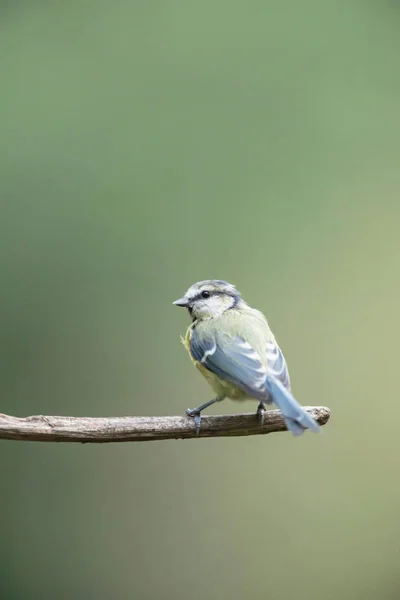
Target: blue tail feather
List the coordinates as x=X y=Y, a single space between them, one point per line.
x=296 y=418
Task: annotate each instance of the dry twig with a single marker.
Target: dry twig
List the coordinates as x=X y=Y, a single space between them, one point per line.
x=139 y=429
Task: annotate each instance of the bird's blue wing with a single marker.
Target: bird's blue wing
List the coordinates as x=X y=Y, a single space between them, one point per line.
x=232 y=359
x=276 y=364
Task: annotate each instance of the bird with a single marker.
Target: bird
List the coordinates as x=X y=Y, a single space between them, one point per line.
x=233 y=347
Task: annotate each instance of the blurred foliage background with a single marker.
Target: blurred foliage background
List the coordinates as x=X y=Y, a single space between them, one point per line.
x=145 y=146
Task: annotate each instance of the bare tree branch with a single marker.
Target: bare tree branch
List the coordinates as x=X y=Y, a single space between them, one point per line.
x=139 y=429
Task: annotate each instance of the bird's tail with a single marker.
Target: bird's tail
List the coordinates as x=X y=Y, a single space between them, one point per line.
x=296 y=418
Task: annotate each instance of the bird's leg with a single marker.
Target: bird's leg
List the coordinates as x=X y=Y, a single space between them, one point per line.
x=195 y=413
x=260 y=412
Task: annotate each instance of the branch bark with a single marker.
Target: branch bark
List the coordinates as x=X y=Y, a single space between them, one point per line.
x=139 y=429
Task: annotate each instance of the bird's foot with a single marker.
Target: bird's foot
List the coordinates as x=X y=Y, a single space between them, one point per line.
x=260 y=413
x=195 y=414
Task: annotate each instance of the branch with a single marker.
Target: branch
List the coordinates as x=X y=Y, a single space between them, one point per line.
x=140 y=429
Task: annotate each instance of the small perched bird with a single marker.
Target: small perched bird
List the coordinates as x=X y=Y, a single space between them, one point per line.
x=233 y=347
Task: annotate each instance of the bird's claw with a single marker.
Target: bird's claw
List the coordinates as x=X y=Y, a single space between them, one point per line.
x=260 y=413
x=196 y=418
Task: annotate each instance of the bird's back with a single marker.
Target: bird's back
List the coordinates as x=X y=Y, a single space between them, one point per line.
x=228 y=329
x=250 y=325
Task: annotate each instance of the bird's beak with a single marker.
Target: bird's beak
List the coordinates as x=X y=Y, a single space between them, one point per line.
x=182 y=302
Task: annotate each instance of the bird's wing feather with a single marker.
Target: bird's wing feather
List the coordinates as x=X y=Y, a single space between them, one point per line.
x=276 y=364
x=232 y=359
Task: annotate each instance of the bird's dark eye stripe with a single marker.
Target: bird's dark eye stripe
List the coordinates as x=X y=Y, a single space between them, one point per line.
x=205 y=294
x=208 y=293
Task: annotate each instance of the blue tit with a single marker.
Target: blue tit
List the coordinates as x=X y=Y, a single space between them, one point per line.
x=233 y=347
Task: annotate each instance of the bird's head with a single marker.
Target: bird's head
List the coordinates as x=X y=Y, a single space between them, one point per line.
x=210 y=298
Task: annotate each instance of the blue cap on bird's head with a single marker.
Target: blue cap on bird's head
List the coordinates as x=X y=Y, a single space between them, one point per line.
x=209 y=298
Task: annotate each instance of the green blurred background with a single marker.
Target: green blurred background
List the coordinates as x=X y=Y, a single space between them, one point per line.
x=145 y=146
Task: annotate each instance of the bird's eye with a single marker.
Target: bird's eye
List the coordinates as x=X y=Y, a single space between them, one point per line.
x=205 y=294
